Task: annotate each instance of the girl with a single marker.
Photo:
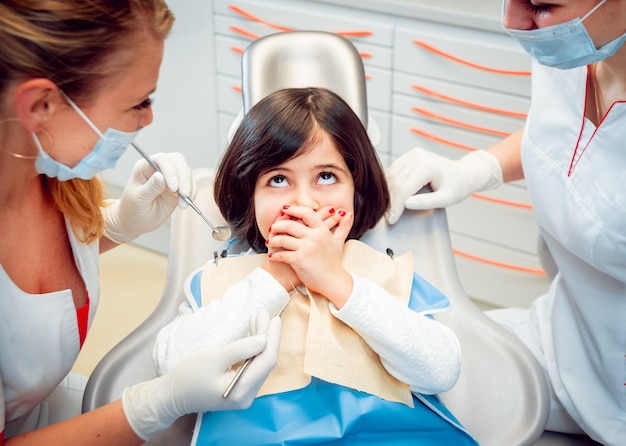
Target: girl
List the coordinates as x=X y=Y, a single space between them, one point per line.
x=359 y=361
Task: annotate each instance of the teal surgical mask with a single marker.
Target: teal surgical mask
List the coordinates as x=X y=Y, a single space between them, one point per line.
x=105 y=154
x=566 y=45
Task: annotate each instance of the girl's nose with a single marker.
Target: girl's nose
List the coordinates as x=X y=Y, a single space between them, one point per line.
x=306 y=197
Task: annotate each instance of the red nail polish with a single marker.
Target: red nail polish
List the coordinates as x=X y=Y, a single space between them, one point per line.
x=269 y=255
x=269 y=229
x=342 y=213
x=331 y=210
x=267 y=242
x=286 y=206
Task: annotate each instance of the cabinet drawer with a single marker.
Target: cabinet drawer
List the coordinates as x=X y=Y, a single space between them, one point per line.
x=456 y=117
x=372 y=55
x=228 y=52
x=283 y=15
x=497 y=110
x=229 y=94
x=476 y=58
x=378 y=85
x=503 y=222
x=440 y=138
x=510 y=279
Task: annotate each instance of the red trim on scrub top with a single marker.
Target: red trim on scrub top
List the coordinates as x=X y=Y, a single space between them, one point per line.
x=82 y=317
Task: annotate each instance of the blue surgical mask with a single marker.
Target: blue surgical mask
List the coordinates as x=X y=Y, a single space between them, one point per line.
x=566 y=45
x=105 y=154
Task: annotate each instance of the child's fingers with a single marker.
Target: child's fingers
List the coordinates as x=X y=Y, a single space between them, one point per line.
x=342 y=229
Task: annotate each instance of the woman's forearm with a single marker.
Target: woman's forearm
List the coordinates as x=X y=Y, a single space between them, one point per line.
x=106 y=426
x=508 y=152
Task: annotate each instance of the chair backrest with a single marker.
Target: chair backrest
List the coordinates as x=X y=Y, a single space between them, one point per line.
x=501 y=395
x=304 y=59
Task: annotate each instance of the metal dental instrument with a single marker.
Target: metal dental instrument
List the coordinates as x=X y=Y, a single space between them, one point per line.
x=220 y=233
x=242 y=369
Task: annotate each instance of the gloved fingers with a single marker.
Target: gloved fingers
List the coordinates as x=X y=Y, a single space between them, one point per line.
x=263 y=363
x=240 y=350
x=259 y=322
x=405 y=177
x=431 y=200
x=192 y=195
x=177 y=173
x=151 y=189
x=402 y=189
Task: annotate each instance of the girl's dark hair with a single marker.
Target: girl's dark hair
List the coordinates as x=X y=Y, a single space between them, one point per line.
x=275 y=130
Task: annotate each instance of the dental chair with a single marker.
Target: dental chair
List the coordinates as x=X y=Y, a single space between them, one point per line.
x=501 y=396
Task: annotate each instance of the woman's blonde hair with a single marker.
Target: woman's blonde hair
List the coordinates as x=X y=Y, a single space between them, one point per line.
x=73 y=43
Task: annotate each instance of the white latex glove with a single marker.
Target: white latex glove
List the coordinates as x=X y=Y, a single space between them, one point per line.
x=149 y=197
x=198 y=383
x=451 y=180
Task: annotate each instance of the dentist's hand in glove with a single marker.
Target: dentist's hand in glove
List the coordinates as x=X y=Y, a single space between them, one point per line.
x=451 y=180
x=149 y=197
x=197 y=383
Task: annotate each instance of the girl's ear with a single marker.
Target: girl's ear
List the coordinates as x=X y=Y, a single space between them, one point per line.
x=36 y=100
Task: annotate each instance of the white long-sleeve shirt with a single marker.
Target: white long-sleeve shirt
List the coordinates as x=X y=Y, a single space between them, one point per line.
x=413 y=348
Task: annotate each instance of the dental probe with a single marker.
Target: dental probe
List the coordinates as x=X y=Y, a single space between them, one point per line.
x=220 y=233
x=248 y=361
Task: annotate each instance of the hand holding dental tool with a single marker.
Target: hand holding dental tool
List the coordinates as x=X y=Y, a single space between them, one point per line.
x=148 y=198
x=220 y=233
x=246 y=364
x=196 y=384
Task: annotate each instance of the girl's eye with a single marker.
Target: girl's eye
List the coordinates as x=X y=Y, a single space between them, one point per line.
x=278 y=181
x=145 y=104
x=327 y=178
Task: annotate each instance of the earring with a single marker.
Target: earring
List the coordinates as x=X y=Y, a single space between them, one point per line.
x=28 y=157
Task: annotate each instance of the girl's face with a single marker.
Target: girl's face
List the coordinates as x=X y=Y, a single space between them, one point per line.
x=317 y=178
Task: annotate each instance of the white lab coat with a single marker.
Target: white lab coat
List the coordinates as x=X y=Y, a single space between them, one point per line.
x=578 y=329
x=39 y=343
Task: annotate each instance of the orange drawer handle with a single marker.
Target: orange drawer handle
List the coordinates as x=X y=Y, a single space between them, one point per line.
x=523 y=269
x=504 y=202
x=236 y=49
x=437 y=51
x=456 y=123
x=243 y=32
x=441 y=140
x=362 y=33
x=236 y=88
x=253 y=18
x=473 y=105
